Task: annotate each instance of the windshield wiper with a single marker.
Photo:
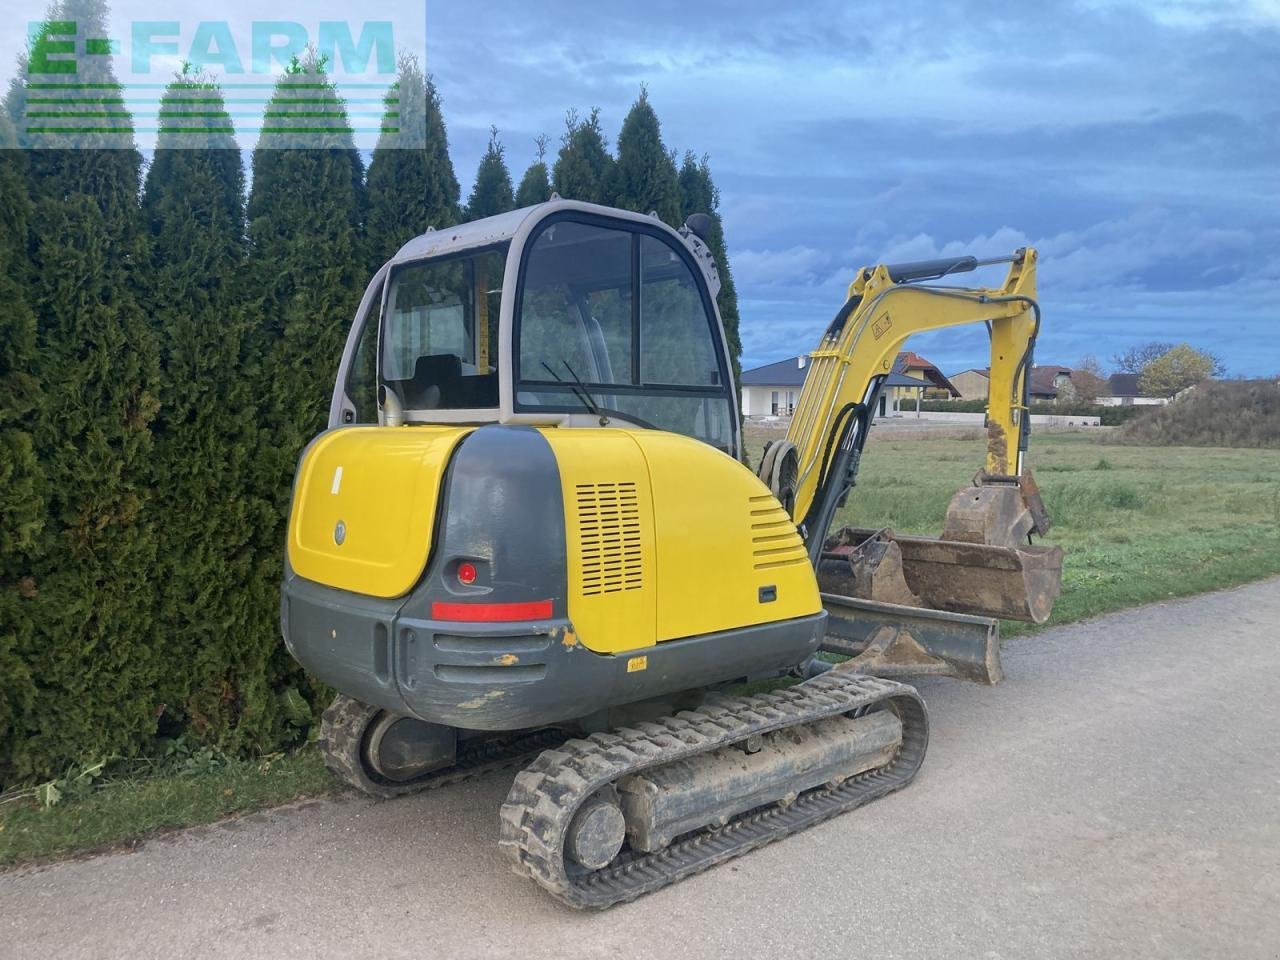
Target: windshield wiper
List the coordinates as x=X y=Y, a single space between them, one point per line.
x=579 y=390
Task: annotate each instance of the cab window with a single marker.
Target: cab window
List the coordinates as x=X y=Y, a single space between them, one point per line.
x=613 y=320
x=440 y=332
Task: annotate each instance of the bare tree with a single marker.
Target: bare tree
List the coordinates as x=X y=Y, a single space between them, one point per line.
x=1088 y=379
x=1137 y=357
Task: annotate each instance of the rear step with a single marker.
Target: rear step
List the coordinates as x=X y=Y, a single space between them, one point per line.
x=565 y=806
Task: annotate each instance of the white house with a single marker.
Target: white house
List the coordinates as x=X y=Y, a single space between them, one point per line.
x=772 y=390
x=1122 y=391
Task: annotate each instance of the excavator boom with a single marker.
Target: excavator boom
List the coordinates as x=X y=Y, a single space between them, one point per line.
x=886 y=306
x=983 y=564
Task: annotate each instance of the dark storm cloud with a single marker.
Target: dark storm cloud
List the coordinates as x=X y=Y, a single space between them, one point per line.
x=1135 y=143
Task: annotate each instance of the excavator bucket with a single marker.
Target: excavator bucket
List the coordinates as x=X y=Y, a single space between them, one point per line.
x=1011 y=583
x=981 y=565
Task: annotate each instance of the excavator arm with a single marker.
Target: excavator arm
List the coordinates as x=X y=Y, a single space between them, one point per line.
x=983 y=565
x=886 y=306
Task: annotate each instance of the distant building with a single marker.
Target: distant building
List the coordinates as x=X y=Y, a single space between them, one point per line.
x=1050 y=383
x=1122 y=390
x=774 y=389
x=973 y=383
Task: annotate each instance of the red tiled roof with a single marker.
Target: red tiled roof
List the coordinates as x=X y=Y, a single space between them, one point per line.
x=907 y=360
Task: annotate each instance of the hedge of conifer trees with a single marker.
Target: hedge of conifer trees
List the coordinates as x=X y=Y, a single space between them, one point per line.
x=167 y=346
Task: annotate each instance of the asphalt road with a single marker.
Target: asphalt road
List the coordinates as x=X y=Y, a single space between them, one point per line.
x=1118 y=796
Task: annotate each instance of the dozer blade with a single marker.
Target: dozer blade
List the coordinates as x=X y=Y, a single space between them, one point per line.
x=1012 y=583
x=894 y=641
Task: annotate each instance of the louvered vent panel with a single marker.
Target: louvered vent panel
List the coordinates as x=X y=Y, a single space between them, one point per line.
x=609 y=525
x=775 y=541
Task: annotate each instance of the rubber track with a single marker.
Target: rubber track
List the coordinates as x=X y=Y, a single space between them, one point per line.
x=545 y=795
x=342 y=730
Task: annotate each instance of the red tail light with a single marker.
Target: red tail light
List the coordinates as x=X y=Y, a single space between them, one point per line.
x=492 y=612
x=466 y=572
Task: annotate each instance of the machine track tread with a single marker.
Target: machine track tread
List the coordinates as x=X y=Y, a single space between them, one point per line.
x=536 y=817
x=346 y=721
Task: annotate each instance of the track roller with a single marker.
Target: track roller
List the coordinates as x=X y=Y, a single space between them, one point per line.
x=387 y=755
x=704 y=786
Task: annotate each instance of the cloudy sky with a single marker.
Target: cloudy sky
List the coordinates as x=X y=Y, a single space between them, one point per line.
x=1134 y=142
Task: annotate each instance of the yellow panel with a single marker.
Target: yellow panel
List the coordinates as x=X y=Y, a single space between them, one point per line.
x=721 y=537
x=381 y=485
x=608 y=536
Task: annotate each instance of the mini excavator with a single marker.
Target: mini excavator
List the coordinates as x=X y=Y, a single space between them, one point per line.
x=530 y=539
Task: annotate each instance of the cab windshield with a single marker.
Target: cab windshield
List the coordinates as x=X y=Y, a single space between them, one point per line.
x=440 y=332
x=612 y=320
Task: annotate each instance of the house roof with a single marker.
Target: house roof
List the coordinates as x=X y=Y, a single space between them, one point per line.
x=784 y=373
x=896 y=379
x=1044 y=379
x=1123 y=385
x=789 y=373
x=981 y=371
x=913 y=361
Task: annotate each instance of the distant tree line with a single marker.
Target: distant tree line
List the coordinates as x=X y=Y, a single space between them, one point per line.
x=167 y=347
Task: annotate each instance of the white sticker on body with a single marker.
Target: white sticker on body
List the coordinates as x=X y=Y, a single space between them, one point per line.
x=337 y=481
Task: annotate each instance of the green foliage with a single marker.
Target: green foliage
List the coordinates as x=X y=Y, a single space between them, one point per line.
x=306 y=275
x=492 y=192
x=1177 y=369
x=582 y=168
x=698 y=194
x=75 y=784
x=1224 y=413
x=411 y=184
x=87 y=636
x=535 y=185
x=22 y=488
x=165 y=354
x=643 y=178
x=185 y=785
x=206 y=509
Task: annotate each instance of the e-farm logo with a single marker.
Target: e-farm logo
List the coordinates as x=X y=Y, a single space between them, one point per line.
x=288 y=82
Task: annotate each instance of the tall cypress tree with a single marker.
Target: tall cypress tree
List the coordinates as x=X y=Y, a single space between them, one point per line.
x=582 y=169
x=411 y=183
x=699 y=195
x=21 y=478
x=491 y=193
x=206 y=513
x=96 y=654
x=535 y=185
x=307 y=271
x=644 y=177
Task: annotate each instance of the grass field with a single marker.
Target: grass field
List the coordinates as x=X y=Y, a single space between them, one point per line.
x=1138 y=524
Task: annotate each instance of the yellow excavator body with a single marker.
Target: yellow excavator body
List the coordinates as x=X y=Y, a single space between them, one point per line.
x=665 y=537
x=531 y=537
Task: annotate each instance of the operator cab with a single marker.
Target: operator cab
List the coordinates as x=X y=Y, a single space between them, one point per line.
x=564 y=314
